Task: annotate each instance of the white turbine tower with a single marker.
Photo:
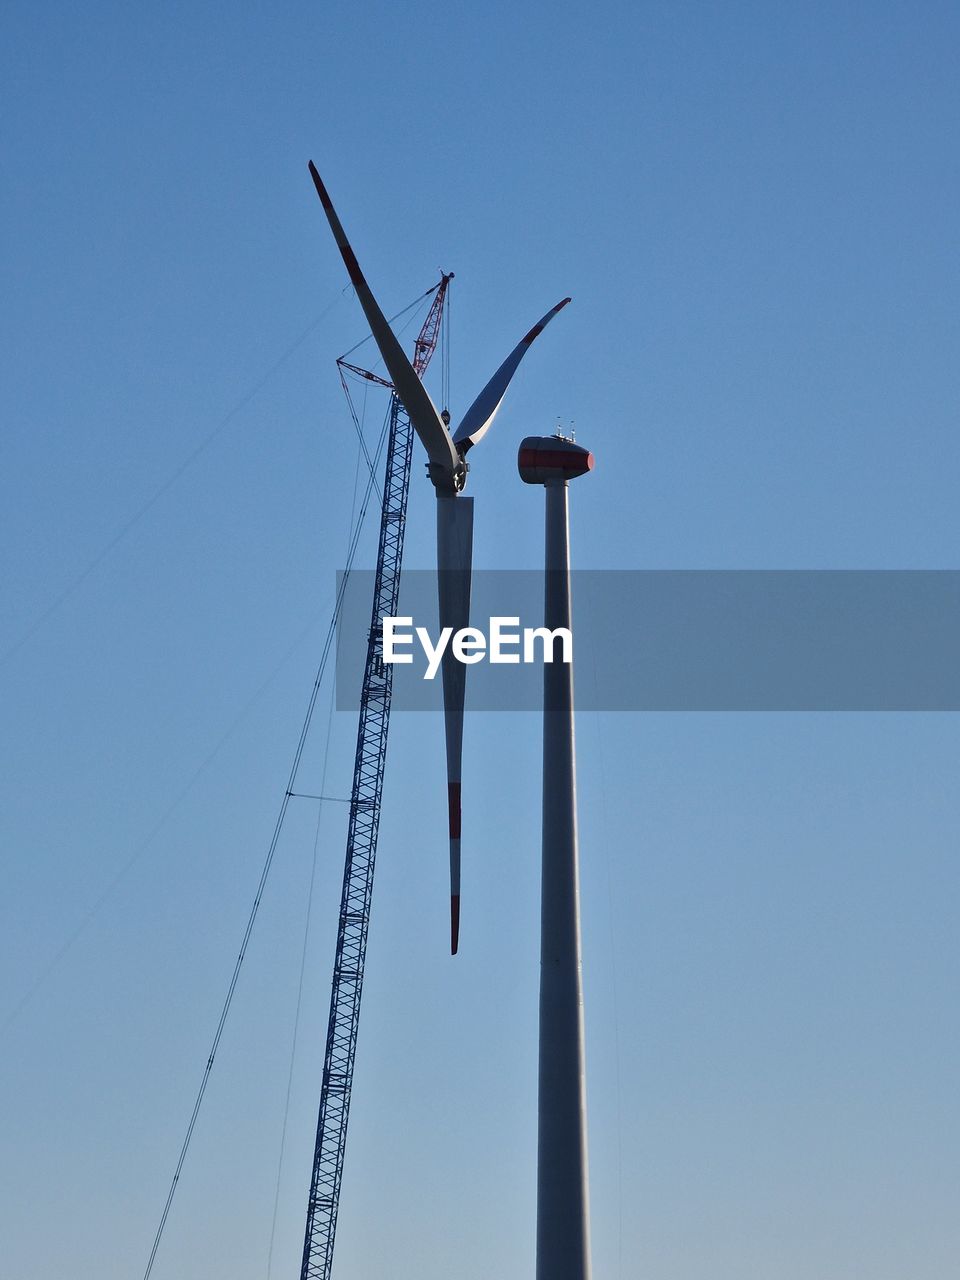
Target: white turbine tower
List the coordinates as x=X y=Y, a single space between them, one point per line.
x=563 y=1217
x=447 y=469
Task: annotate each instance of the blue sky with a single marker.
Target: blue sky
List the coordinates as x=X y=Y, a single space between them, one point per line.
x=754 y=208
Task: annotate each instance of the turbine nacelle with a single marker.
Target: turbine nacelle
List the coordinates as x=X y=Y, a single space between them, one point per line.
x=552 y=459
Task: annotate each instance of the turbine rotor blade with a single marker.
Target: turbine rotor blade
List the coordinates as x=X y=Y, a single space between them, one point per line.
x=454 y=563
x=445 y=463
x=476 y=421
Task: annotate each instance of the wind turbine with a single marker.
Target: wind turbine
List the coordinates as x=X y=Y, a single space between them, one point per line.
x=447 y=469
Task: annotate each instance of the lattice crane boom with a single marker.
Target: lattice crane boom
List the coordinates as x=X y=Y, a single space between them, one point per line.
x=362 y=830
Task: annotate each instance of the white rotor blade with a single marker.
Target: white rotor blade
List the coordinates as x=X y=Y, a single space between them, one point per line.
x=427 y=423
x=477 y=419
x=454 y=561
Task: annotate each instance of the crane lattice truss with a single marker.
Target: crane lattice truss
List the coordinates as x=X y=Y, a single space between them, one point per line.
x=362 y=830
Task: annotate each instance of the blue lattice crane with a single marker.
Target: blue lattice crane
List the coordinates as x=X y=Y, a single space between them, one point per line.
x=363 y=825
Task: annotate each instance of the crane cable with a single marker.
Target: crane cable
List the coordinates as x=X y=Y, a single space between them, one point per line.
x=151 y=501
x=272 y=848
x=299 y=1005
x=371 y=488
x=322 y=797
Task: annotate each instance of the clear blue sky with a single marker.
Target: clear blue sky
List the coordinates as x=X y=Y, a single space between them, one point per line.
x=754 y=207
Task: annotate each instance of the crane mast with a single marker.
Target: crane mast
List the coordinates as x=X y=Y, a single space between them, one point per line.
x=362 y=829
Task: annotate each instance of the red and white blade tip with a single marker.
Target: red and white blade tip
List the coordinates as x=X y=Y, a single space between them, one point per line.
x=539 y=327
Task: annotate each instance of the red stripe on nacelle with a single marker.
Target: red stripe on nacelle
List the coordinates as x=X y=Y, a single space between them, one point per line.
x=559 y=458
